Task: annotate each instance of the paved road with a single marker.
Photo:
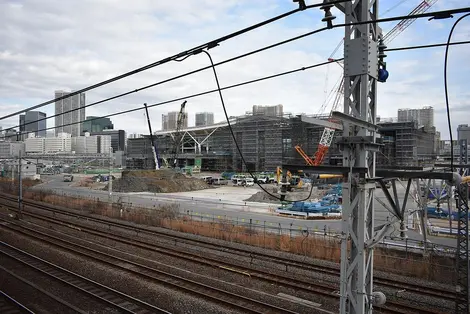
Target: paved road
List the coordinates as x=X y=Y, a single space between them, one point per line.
x=231 y=209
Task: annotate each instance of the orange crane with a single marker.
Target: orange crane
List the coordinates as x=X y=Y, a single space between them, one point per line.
x=328 y=133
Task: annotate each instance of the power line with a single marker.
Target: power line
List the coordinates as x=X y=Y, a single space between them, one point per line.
x=212 y=44
x=195 y=51
x=429 y=46
x=181 y=75
x=447 y=94
x=219 y=90
x=227 y=87
x=208 y=45
x=189 y=96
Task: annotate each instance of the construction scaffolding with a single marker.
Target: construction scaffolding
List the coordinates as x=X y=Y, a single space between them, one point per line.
x=406 y=144
x=267 y=142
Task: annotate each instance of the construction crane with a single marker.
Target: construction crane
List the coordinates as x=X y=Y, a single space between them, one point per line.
x=177 y=134
x=328 y=133
x=152 y=140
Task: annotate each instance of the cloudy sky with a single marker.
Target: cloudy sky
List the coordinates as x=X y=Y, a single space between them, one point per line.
x=49 y=45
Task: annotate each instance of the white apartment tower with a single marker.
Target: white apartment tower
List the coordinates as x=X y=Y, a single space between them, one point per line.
x=69 y=122
x=170 y=120
x=424 y=116
x=272 y=111
x=204 y=118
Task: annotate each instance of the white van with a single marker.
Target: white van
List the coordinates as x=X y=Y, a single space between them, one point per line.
x=207 y=179
x=219 y=181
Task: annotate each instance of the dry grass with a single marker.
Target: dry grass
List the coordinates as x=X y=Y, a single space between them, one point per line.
x=431 y=267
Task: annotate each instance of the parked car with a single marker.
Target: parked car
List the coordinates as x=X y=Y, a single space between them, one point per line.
x=219 y=181
x=262 y=180
x=249 y=182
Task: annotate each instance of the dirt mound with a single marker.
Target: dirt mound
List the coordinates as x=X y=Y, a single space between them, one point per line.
x=263 y=197
x=156 y=181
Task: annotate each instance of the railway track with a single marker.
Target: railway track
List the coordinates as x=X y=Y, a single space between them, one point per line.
x=201 y=290
x=285 y=262
x=114 y=299
x=8 y=305
x=299 y=284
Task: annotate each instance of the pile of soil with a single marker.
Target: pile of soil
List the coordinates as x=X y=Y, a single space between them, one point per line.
x=263 y=197
x=156 y=181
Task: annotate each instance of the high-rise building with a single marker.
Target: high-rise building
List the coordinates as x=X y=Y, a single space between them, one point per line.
x=31 y=122
x=69 y=122
x=96 y=124
x=273 y=111
x=204 y=118
x=424 y=116
x=118 y=139
x=104 y=144
x=463 y=132
x=170 y=120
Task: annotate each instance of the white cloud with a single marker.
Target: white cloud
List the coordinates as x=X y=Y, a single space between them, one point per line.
x=68 y=45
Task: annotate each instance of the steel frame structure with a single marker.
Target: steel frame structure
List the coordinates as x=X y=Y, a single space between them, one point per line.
x=358 y=144
x=462 y=255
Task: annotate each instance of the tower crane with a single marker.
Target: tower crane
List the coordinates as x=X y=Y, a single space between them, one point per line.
x=177 y=136
x=328 y=133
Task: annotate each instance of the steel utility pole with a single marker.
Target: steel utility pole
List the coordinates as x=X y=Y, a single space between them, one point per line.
x=20 y=187
x=358 y=144
x=110 y=178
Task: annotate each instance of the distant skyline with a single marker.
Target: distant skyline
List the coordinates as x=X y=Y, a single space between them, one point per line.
x=37 y=56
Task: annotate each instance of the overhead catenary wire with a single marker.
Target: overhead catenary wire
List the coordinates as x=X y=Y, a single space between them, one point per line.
x=179 y=57
x=210 y=44
x=237 y=85
x=178 y=76
x=446 y=90
x=219 y=90
x=429 y=46
x=220 y=63
x=187 y=97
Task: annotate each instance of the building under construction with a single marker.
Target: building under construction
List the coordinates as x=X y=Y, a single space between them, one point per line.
x=407 y=144
x=267 y=142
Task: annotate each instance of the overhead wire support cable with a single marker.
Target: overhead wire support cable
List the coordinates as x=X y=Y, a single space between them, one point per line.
x=246 y=83
x=190 y=96
x=181 y=75
x=456 y=43
x=183 y=57
x=219 y=89
x=208 y=45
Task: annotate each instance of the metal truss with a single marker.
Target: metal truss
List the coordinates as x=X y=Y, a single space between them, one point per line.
x=358 y=146
x=462 y=263
x=463 y=145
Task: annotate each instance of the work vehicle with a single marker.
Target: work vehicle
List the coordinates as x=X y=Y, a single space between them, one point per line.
x=68 y=178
